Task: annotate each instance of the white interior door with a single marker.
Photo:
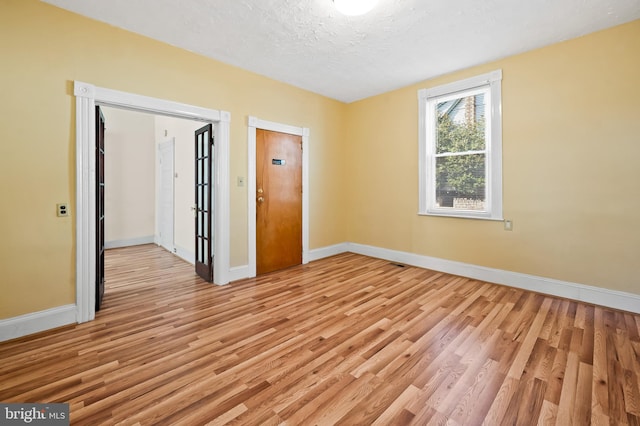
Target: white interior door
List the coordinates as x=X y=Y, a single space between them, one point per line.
x=166 y=194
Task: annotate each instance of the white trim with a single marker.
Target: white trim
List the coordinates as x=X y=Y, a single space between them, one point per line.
x=253 y=124
x=240 y=273
x=579 y=292
x=323 y=252
x=87 y=96
x=184 y=254
x=222 y=221
x=128 y=242
x=466 y=84
x=427 y=101
x=36 y=322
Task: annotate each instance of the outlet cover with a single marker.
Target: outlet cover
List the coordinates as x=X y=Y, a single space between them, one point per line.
x=62 y=210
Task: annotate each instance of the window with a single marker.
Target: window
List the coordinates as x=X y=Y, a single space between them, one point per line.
x=461 y=148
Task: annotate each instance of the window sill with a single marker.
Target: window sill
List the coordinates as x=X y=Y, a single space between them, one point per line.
x=461 y=215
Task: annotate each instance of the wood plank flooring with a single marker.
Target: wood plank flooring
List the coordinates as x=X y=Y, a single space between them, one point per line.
x=346 y=340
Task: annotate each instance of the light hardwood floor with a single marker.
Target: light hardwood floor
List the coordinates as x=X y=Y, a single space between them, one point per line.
x=345 y=340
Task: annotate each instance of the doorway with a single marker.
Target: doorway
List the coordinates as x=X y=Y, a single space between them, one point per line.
x=254 y=125
x=87 y=97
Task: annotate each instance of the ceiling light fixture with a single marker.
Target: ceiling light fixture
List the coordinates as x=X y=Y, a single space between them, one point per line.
x=354 y=7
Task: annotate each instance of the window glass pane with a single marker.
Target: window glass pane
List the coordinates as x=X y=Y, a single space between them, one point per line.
x=460 y=182
x=205 y=224
x=205 y=197
x=461 y=124
x=205 y=165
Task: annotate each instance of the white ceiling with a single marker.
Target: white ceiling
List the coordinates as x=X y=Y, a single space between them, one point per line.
x=308 y=44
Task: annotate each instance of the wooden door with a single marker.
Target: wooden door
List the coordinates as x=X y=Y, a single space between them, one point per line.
x=99 y=208
x=204 y=202
x=278 y=200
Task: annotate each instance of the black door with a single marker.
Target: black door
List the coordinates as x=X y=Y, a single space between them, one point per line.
x=99 y=207
x=204 y=202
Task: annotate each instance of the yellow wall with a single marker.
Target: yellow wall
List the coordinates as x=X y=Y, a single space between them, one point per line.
x=571 y=150
x=571 y=125
x=44 y=49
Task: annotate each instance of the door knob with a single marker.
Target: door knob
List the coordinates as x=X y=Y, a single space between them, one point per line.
x=260 y=191
x=260 y=199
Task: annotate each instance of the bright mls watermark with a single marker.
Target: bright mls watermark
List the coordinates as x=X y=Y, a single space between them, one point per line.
x=34 y=414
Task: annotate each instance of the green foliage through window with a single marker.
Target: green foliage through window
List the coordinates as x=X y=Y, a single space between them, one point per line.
x=462 y=176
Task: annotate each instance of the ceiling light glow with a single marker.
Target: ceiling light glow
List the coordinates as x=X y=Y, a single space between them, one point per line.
x=354 y=7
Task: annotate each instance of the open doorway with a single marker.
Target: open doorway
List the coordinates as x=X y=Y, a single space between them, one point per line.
x=149 y=182
x=149 y=172
x=87 y=97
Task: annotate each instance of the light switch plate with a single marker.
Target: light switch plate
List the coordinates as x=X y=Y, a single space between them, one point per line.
x=508 y=225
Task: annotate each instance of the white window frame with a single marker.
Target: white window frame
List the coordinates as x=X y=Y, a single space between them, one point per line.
x=427 y=102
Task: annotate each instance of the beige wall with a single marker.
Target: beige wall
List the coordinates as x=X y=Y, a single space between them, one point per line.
x=44 y=49
x=571 y=144
x=130 y=175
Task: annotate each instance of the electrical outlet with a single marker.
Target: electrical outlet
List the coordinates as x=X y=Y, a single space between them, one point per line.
x=508 y=225
x=62 y=210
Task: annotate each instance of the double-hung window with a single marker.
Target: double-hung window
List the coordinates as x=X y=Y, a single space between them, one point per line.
x=460 y=148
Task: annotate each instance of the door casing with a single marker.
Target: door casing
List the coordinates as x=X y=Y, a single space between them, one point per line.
x=87 y=97
x=255 y=123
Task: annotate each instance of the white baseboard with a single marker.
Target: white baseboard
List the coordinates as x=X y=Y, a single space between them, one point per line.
x=185 y=254
x=580 y=292
x=35 y=322
x=129 y=242
x=322 y=252
x=239 y=273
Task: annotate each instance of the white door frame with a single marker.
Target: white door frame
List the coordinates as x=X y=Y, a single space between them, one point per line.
x=256 y=123
x=161 y=211
x=87 y=97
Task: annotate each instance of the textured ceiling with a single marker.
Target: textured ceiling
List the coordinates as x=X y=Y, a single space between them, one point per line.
x=308 y=44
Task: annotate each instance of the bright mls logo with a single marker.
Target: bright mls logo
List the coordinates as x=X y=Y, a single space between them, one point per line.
x=34 y=414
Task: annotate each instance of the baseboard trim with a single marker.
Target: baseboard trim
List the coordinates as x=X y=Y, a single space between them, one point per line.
x=580 y=292
x=23 y=325
x=185 y=254
x=242 y=272
x=237 y=273
x=322 y=252
x=150 y=239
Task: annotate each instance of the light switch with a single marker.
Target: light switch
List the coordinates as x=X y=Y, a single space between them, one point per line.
x=240 y=180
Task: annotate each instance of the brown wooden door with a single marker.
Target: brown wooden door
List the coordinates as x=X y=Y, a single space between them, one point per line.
x=278 y=200
x=204 y=203
x=99 y=207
